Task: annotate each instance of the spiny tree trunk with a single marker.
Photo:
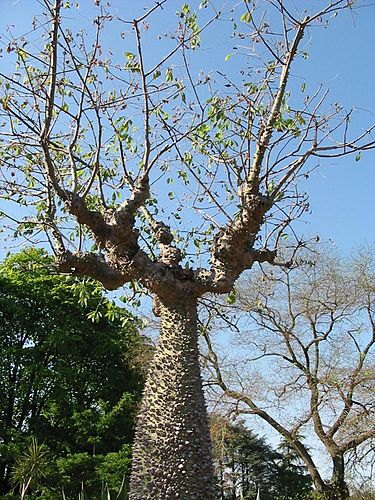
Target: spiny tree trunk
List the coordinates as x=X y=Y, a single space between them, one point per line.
x=172 y=449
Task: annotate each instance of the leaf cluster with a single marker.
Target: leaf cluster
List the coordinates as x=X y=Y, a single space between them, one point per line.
x=60 y=380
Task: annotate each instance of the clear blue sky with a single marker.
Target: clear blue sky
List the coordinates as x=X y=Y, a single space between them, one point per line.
x=341 y=57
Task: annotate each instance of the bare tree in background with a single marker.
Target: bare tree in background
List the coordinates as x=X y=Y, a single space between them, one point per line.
x=305 y=361
x=139 y=172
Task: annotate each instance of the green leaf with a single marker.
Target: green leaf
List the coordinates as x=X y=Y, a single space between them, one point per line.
x=122 y=494
x=227 y=57
x=23 y=55
x=246 y=18
x=271 y=186
x=188 y=158
x=169 y=75
x=95 y=316
x=231 y=297
x=358 y=157
x=186 y=9
x=83 y=495
x=183 y=175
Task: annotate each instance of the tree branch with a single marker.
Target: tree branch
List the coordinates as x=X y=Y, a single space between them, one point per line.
x=94 y=266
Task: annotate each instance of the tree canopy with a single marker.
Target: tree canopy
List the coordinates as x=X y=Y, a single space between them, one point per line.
x=70 y=382
x=304 y=362
x=246 y=464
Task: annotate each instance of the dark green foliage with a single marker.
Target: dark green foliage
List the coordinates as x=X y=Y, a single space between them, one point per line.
x=65 y=379
x=294 y=480
x=246 y=463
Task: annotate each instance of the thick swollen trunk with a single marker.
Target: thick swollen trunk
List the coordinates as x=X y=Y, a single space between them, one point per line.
x=172 y=447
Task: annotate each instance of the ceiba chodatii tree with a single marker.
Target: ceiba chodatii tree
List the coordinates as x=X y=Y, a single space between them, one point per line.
x=92 y=142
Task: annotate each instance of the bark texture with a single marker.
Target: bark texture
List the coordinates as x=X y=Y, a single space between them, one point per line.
x=338 y=489
x=172 y=449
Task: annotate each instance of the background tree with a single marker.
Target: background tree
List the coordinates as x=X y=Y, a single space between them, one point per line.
x=295 y=481
x=92 y=140
x=68 y=381
x=360 y=465
x=310 y=338
x=246 y=463
x=364 y=493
